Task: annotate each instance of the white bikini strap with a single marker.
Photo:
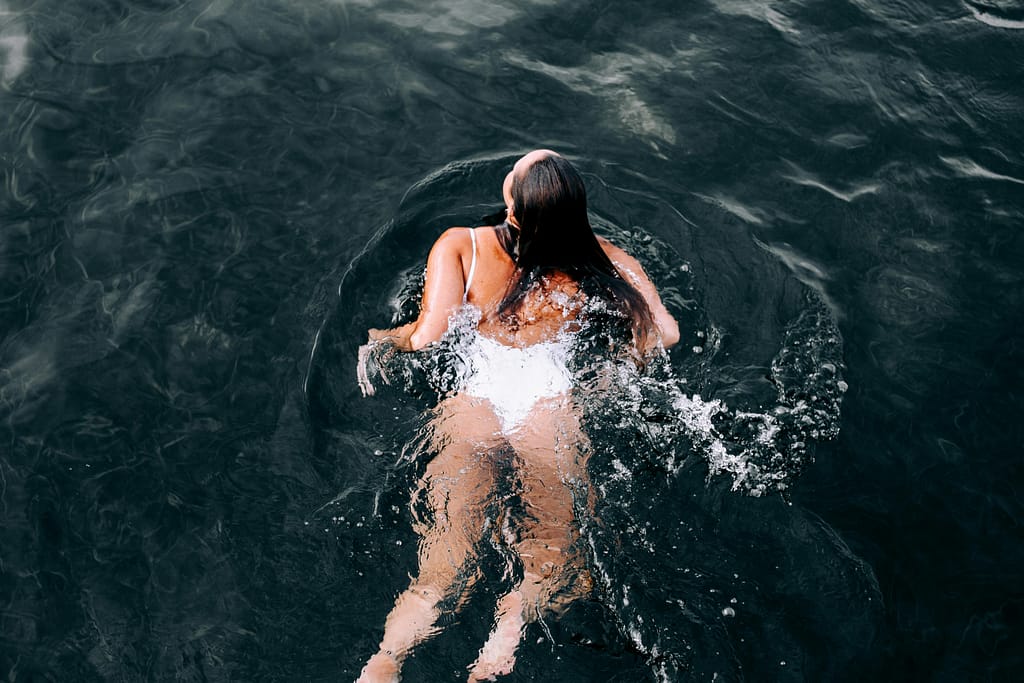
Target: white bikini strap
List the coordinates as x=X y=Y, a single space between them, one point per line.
x=472 y=265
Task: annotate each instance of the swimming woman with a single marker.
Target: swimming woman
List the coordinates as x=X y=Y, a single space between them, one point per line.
x=526 y=288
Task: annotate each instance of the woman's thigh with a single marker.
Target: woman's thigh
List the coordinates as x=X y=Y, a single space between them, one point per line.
x=551 y=452
x=456 y=489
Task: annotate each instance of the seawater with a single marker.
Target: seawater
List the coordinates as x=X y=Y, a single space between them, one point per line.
x=206 y=204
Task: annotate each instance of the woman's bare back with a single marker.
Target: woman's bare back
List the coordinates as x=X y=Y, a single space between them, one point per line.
x=549 y=308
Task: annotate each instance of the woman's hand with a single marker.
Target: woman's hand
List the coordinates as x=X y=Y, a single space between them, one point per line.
x=371 y=362
x=399 y=336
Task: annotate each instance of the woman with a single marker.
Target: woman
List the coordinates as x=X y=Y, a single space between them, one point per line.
x=525 y=290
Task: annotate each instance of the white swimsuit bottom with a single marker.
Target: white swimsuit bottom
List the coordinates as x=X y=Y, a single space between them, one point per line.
x=514 y=379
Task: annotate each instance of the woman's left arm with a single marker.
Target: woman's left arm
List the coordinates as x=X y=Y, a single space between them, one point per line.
x=667 y=327
x=442 y=294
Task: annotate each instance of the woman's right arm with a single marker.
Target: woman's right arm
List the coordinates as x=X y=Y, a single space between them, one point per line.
x=442 y=294
x=630 y=268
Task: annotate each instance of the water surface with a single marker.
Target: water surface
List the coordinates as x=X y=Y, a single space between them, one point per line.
x=204 y=205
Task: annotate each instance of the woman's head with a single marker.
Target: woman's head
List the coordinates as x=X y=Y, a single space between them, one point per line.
x=519 y=168
x=547 y=202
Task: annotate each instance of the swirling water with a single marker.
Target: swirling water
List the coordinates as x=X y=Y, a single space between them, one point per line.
x=205 y=204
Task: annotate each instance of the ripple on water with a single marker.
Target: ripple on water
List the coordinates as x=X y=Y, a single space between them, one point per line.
x=761 y=11
x=1007 y=14
x=801 y=176
x=750 y=214
x=848 y=140
x=612 y=78
x=969 y=168
x=454 y=18
x=14 y=42
x=917 y=302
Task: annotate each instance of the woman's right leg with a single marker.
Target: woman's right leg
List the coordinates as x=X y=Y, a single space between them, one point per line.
x=457 y=486
x=551 y=456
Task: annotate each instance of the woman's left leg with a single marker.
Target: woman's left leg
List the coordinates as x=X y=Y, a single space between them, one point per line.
x=457 y=487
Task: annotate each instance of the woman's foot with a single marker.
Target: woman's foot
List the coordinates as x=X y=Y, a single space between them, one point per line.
x=498 y=655
x=410 y=622
x=382 y=668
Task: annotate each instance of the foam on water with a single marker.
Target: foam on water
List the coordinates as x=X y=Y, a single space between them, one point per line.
x=761 y=449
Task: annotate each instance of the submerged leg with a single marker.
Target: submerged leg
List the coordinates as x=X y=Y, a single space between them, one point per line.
x=457 y=487
x=552 y=472
x=498 y=655
x=411 y=621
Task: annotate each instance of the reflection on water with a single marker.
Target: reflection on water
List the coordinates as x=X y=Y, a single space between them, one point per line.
x=192 y=486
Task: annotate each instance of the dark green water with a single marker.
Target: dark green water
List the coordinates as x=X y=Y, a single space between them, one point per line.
x=205 y=204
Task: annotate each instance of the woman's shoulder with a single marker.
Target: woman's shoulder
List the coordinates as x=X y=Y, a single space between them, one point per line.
x=460 y=237
x=621 y=259
x=455 y=243
x=454 y=238
x=611 y=250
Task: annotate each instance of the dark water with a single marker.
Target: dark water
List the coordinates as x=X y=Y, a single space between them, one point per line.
x=205 y=204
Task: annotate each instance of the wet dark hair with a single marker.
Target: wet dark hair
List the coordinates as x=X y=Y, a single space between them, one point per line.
x=549 y=202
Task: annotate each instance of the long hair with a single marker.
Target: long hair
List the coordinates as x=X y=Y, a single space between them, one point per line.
x=549 y=201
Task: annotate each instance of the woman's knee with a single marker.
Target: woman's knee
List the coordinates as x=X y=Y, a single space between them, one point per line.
x=425 y=593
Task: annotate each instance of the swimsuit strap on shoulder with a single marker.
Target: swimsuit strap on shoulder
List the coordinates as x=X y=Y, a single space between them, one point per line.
x=472 y=265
